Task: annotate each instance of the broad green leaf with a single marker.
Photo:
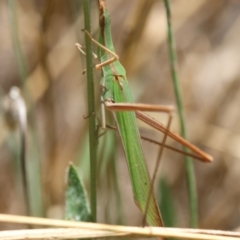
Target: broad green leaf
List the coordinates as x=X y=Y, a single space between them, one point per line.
x=77 y=207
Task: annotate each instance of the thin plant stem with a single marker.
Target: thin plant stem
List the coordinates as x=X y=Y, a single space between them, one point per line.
x=33 y=177
x=191 y=180
x=91 y=111
x=117 y=188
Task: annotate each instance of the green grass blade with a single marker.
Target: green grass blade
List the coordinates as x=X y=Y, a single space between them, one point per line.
x=107 y=167
x=191 y=180
x=36 y=206
x=166 y=203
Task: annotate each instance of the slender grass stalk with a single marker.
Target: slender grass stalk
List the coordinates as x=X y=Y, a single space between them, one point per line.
x=191 y=180
x=91 y=111
x=32 y=157
x=116 y=185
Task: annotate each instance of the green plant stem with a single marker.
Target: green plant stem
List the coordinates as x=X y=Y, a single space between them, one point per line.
x=191 y=180
x=117 y=187
x=91 y=111
x=33 y=177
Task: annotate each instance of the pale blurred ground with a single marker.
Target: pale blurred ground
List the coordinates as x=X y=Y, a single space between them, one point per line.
x=208 y=47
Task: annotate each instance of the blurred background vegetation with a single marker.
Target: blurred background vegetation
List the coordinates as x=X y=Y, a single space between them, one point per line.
x=38 y=54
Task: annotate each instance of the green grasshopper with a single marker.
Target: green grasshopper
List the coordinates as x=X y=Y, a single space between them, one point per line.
x=118 y=99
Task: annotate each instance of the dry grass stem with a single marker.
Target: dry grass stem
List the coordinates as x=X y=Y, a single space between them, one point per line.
x=92 y=230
